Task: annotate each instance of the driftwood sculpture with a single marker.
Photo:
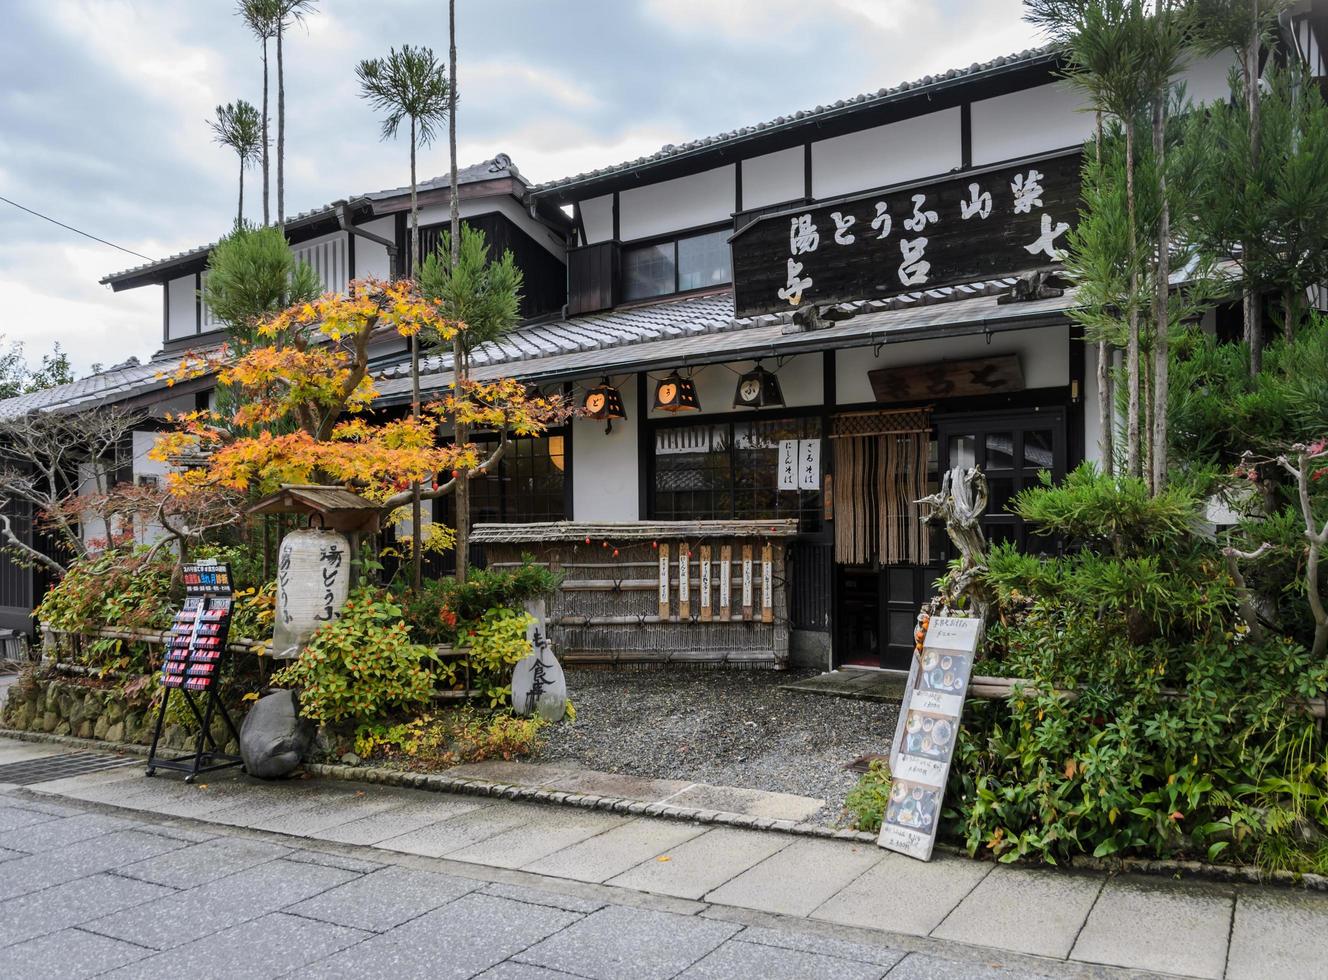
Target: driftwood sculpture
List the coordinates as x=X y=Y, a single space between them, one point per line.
x=958 y=506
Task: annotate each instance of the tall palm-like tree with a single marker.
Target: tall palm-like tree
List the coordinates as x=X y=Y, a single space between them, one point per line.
x=460 y=352
x=238 y=126
x=261 y=17
x=287 y=13
x=409 y=84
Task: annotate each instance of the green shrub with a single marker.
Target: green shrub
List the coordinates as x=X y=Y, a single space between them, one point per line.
x=451 y=737
x=496 y=645
x=362 y=665
x=866 y=802
x=445 y=609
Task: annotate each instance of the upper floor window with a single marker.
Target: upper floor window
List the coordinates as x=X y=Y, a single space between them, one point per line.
x=675 y=266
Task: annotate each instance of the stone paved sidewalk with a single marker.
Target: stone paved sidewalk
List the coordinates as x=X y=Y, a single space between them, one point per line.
x=327 y=873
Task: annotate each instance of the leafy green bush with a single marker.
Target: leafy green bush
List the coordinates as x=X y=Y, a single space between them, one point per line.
x=362 y=665
x=445 y=609
x=1150 y=722
x=495 y=646
x=866 y=802
x=451 y=737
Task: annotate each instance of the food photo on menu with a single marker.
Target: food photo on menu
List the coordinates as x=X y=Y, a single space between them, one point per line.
x=943 y=671
x=913 y=806
x=928 y=735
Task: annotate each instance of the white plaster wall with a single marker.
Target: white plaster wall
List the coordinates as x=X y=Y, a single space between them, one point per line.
x=672 y=205
x=772 y=178
x=1205 y=78
x=1092 y=431
x=800 y=379
x=370 y=257
x=597 y=216
x=604 y=467
x=1043 y=356
x=327 y=254
x=884 y=155
x=1029 y=122
x=183 y=317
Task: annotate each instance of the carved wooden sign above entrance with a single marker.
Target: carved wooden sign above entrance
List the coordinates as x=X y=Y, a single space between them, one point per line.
x=947 y=379
x=973 y=227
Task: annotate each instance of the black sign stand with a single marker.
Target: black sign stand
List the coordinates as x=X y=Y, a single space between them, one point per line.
x=192 y=666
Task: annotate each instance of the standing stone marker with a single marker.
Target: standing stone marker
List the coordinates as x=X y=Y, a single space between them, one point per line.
x=538 y=684
x=313 y=578
x=926 y=734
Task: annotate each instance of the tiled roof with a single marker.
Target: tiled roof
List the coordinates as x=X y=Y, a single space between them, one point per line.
x=120 y=382
x=500 y=166
x=920 y=87
x=698 y=328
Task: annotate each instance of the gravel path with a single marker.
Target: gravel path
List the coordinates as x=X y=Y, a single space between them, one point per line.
x=727 y=727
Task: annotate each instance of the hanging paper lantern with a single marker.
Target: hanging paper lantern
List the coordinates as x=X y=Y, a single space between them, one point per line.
x=676 y=394
x=758 y=388
x=604 y=402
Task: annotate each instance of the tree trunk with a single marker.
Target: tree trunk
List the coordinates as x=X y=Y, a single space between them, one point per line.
x=239 y=212
x=460 y=367
x=1250 y=304
x=281 y=131
x=416 y=510
x=267 y=173
x=958 y=506
x=1161 y=306
x=1132 y=467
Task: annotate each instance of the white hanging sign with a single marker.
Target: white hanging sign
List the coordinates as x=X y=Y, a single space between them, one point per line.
x=788 y=464
x=809 y=464
x=926 y=734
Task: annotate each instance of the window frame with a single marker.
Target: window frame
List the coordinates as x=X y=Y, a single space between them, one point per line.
x=673 y=238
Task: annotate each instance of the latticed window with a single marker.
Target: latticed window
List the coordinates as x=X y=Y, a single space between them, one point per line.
x=726 y=470
x=527 y=485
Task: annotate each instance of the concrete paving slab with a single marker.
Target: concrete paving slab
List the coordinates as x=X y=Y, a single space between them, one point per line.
x=1281 y=934
x=550 y=831
x=59 y=832
x=748 y=961
x=313 y=812
x=89 y=857
x=1027 y=910
x=71 y=904
x=13 y=818
x=67 y=955
x=600 y=858
x=901 y=894
x=616 y=942
x=335 y=860
x=1137 y=921
x=591 y=782
x=921 y=966
x=512 y=773
x=421 y=810
x=454 y=833
x=383 y=900
x=459 y=940
x=798 y=879
x=703 y=863
x=188 y=916
x=880 y=955
x=267 y=947
x=511 y=970
x=14 y=750
x=7 y=855
x=74 y=787
x=755 y=802
x=197 y=865
x=544 y=896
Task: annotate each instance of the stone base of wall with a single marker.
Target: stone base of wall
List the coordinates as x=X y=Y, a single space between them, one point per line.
x=808 y=648
x=63 y=706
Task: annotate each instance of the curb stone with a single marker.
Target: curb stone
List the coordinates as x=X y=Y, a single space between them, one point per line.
x=442 y=783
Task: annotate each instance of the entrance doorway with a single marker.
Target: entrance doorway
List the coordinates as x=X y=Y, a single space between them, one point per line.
x=877 y=606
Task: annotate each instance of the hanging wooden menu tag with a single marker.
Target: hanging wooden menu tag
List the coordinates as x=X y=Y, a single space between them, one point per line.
x=706 y=582
x=663 y=581
x=746 y=581
x=684 y=582
x=767 y=584
x=725 y=581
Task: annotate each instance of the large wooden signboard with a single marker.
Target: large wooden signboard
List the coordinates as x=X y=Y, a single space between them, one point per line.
x=926 y=734
x=976 y=226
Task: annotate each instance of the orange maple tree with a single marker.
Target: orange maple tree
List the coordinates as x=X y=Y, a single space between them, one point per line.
x=305 y=407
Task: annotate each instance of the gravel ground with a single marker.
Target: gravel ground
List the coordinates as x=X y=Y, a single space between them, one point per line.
x=727 y=727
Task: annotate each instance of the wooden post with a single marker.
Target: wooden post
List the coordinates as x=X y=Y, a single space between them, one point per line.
x=725 y=582
x=767 y=584
x=706 y=582
x=684 y=581
x=746 y=581
x=663 y=581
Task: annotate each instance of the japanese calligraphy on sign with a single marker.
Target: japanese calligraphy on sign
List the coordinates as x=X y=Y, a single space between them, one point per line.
x=313 y=578
x=966 y=229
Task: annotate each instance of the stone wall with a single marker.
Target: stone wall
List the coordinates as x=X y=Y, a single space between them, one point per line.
x=64 y=706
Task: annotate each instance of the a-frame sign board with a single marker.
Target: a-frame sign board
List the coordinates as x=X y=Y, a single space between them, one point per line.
x=192 y=667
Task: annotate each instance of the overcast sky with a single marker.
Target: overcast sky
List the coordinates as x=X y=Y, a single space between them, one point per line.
x=103 y=106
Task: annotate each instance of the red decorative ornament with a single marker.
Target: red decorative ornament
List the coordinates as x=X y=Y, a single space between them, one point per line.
x=587 y=539
x=615 y=552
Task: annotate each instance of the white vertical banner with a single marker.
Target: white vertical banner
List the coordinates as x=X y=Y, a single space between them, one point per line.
x=684 y=581
x=788 y=464
x=725 y=581
x=809 y=464
x=747 y=581
x=706 y=580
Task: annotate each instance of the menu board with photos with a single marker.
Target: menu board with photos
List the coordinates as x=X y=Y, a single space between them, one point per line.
x=926 y=734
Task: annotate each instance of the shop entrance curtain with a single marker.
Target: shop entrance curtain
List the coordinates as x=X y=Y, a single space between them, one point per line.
x=880 y=471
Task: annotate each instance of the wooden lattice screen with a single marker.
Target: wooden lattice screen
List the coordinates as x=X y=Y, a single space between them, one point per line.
x=880 y=471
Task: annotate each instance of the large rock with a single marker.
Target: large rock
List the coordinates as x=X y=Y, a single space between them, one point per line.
x=274 y=738
x=538 y=684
